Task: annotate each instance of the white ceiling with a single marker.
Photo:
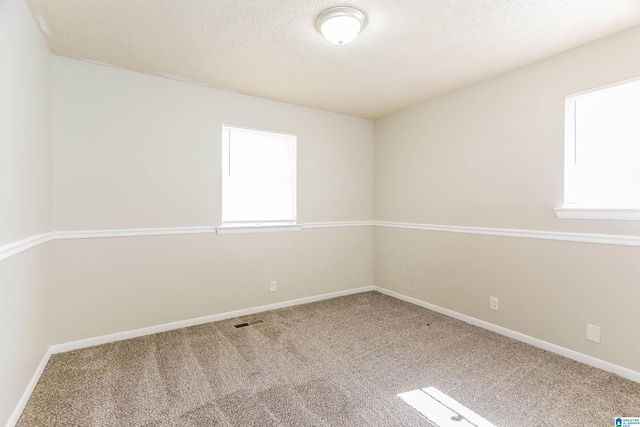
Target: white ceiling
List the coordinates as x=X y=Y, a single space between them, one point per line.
x=409 y=51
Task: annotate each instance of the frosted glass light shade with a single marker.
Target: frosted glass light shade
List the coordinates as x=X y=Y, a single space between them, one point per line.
x=340 y=25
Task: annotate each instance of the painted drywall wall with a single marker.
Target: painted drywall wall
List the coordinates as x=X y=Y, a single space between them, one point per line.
x=135 y=151
x=25 y=198
x=25 y=134
x=491 y=155
x=24 y=322
x=128 y=283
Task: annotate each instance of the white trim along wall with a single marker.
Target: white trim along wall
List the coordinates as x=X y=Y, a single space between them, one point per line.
x=14 y=248
x=89 y=342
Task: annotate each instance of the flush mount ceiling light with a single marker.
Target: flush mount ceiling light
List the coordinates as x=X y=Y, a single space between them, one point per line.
x=340 y=25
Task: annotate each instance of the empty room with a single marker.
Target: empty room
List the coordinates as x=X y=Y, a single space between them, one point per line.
x=319 y=213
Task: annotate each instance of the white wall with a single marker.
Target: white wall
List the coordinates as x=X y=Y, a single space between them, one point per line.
x=25 y=198
x=491 y=155
x=135 y=151
x=25 y=135
x=138 y=151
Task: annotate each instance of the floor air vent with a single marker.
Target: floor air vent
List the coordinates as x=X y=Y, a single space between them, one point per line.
x=253 y=322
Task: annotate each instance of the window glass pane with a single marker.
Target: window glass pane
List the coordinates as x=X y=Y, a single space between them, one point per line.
x=607 y=147
x=259 y=176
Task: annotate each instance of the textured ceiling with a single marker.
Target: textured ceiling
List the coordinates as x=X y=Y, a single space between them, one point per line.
x=409 y=51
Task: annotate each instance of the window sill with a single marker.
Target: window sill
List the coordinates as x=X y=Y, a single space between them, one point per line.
x=568 y=212
x=257 y=228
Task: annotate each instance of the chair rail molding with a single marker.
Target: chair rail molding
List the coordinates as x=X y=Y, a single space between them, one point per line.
x=608 y=239
x=19 y=246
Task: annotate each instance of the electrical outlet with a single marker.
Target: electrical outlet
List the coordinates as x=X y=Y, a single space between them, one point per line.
x=493 y=303
x=593 y=333
x=274 y=287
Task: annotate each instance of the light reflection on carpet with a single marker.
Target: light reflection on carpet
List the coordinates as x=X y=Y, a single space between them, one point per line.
x=443 y=410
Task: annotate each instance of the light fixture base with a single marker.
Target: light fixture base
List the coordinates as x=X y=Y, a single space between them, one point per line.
x=341 y=24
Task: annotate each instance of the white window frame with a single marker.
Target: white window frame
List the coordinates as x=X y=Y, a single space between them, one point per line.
x=258 y=226
x=573 y=209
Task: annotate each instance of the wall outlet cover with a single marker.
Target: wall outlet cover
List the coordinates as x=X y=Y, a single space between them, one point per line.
x=593 y=333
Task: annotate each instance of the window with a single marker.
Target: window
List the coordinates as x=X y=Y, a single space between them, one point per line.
x=258 y=178
x=602 y=153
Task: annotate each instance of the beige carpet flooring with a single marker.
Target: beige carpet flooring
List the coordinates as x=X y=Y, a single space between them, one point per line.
x=360 y=360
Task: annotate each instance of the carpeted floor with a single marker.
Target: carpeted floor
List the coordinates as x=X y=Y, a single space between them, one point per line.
x=360 y=360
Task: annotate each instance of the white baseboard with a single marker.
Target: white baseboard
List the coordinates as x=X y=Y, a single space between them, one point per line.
x=119 y=336
x=13 y=419
x=545 y=345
